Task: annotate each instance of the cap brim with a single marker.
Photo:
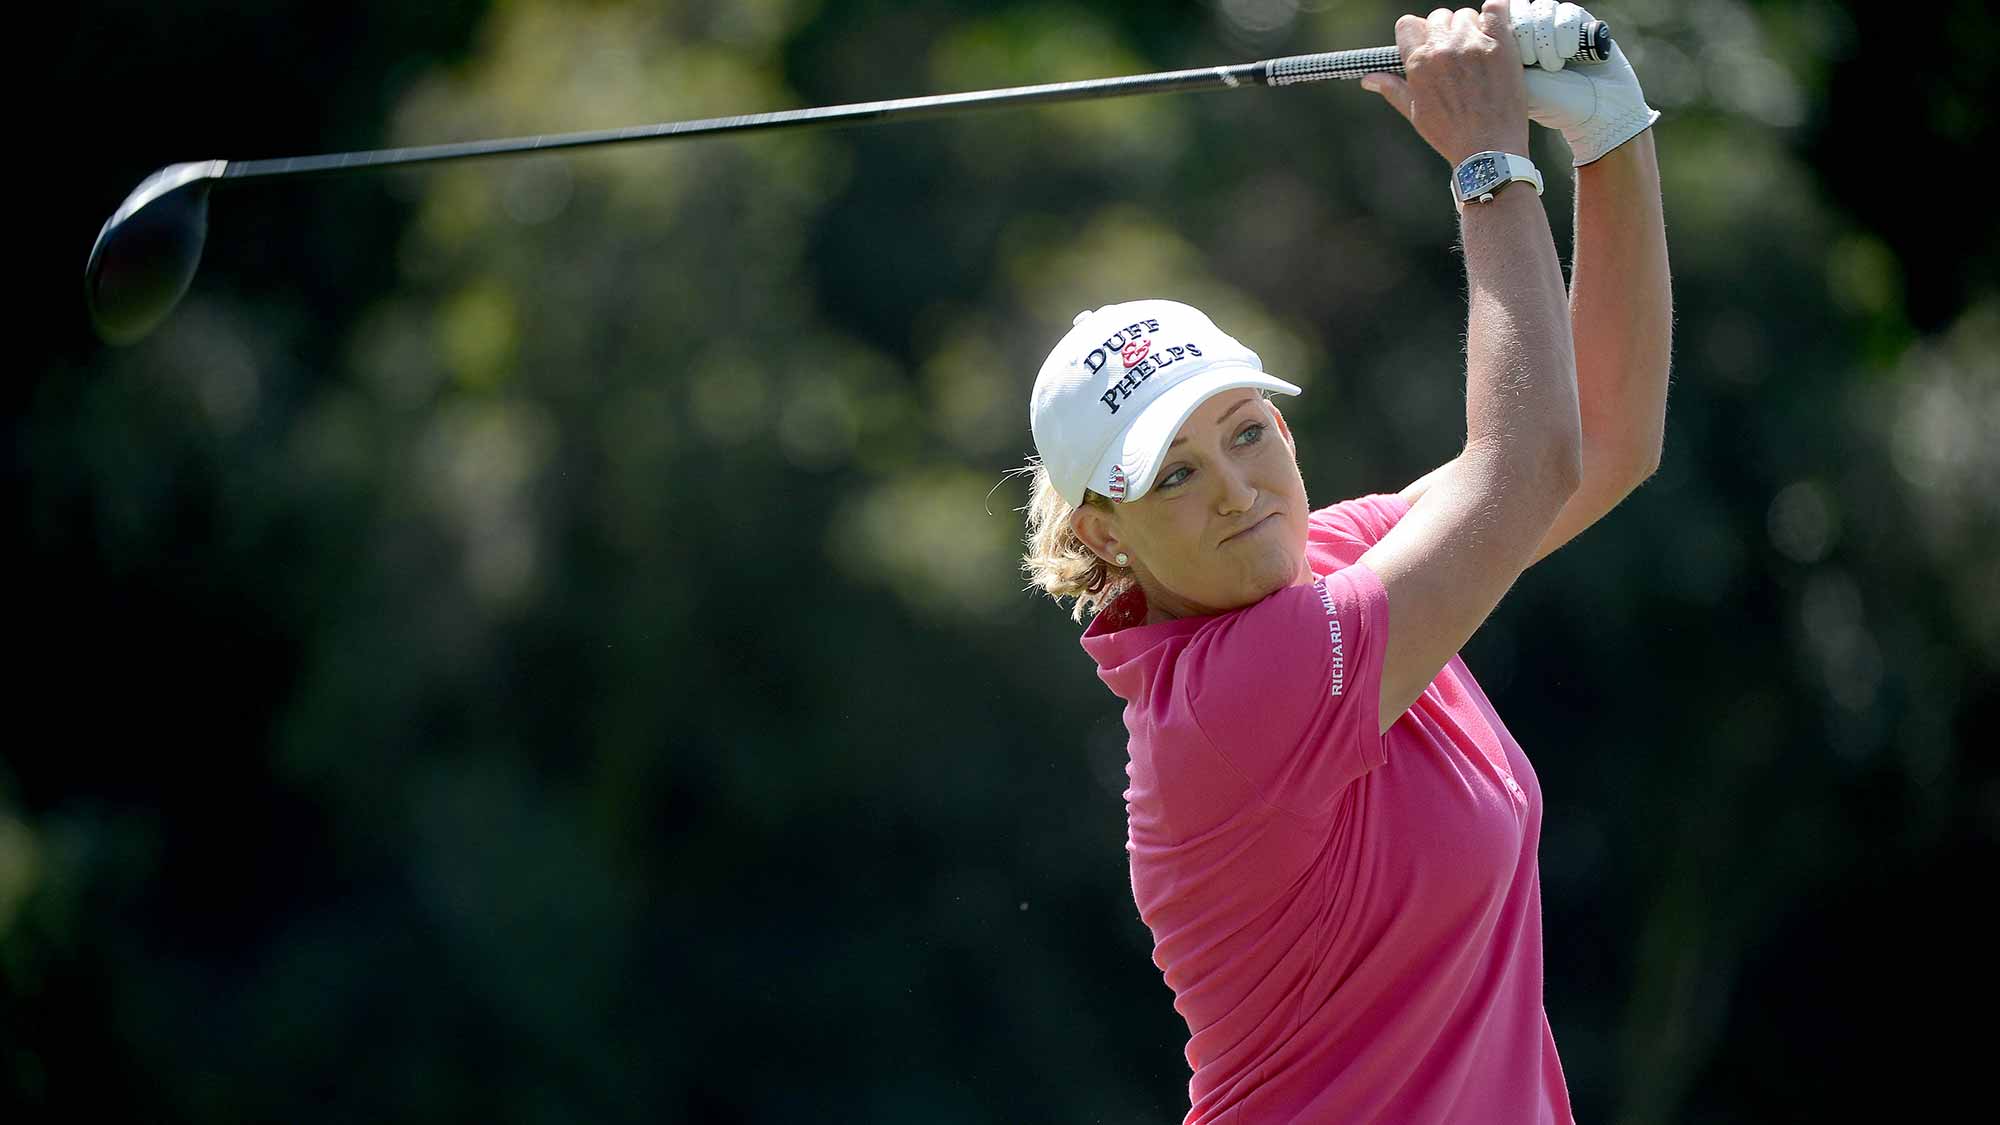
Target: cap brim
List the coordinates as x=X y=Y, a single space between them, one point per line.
x=1140 y=450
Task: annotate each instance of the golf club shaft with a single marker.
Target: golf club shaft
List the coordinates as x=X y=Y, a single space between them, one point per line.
x=146 y=254
x=1287 y=71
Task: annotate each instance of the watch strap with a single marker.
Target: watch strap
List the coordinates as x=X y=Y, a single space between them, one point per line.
x=1511 y=167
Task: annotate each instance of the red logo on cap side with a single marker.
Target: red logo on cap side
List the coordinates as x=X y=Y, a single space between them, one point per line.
x=1136 y=350
x=1116 y=486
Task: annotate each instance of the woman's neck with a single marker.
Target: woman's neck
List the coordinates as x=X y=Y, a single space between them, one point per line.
x=1170 y=609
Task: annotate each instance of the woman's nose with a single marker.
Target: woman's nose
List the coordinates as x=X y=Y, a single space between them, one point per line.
x=1237 y=493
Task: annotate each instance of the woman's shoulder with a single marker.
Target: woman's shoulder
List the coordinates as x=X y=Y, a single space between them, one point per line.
x=1361 y=521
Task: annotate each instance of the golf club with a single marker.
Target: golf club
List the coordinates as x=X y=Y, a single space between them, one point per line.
x=146 y=254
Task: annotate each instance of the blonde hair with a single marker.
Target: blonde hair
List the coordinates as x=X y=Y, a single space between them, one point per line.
x=1058 y=561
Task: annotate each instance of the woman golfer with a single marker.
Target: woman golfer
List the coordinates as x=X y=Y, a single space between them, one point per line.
x=1332 y=835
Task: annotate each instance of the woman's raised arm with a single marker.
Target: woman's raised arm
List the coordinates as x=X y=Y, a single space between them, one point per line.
x=1447 y=564
x=1621 y=317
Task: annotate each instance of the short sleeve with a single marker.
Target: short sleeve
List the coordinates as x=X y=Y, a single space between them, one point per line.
x=1361 y=522
x=1289 y=690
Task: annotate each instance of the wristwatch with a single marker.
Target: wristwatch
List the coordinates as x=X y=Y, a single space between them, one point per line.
x=1480 y=176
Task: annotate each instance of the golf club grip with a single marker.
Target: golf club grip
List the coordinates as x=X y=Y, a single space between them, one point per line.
x=1294 y=69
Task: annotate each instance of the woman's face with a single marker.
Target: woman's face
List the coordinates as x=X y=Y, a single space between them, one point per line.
x=1224 y=525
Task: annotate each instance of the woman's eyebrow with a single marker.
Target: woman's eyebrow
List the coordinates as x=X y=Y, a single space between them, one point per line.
x=1241 y=403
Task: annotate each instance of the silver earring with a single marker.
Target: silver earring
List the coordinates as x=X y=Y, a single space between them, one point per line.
x=1122 y=559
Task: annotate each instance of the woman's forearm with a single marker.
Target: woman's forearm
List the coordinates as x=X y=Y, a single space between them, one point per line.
x=1621 y=317
x=1520 y=387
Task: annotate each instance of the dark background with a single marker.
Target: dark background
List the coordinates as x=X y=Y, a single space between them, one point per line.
x=538 y=640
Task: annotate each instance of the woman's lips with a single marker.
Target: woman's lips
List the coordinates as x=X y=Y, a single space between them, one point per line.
x=1252 y=529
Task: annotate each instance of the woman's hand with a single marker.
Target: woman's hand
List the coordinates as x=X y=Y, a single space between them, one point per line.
x=1595 y=106
x=1463 y=91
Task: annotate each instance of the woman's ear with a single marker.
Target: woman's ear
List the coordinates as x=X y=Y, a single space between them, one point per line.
x=1092 y=525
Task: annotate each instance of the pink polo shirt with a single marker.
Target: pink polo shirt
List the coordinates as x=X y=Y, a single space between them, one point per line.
x=1350 y=922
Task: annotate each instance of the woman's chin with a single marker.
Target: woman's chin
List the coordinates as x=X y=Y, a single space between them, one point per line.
x=1271 y=573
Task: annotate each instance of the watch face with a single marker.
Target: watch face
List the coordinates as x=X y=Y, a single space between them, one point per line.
x=1477 y=173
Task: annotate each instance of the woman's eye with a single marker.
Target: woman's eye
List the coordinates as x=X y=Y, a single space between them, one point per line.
x=1175 y=477
x=1254 y=432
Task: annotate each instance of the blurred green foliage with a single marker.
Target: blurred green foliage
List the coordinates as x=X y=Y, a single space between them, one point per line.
x=541 y=640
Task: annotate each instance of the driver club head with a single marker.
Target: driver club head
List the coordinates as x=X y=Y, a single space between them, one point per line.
x=147 y=252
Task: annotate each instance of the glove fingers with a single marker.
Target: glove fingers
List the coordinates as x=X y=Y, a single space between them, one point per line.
x=1521 y=14
x=1533 y=22
x=1545 y=36
x=1569 y=20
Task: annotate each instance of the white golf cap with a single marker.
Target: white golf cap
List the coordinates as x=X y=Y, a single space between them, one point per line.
x=1114 y=392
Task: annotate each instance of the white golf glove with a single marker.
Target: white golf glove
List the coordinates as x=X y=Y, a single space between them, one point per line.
x=1596 y=106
